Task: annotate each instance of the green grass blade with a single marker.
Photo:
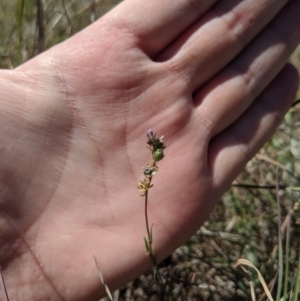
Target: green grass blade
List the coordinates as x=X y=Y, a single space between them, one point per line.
x=296 y=292
x=280 y=249
x=287 y=261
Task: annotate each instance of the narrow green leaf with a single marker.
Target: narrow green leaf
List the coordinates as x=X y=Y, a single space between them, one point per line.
x=287 y=258
x=147 y=246
x=280 y=247
x=155 y=273
x=151 y=235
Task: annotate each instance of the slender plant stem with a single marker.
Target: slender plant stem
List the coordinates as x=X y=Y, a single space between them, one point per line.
x=150 y=240
x=151 y=252
x=297 y=286
x=156 y=146
x=287 y=258
x=146 y=211
x=280 y=248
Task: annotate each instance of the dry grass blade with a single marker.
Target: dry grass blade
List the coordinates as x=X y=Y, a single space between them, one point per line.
x=269 y=160
x=271 y=286
x=223 y=235
x=3 y=286
x=103 y=282
x=244 y=262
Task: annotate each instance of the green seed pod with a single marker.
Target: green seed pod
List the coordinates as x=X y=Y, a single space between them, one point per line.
x=158 y=155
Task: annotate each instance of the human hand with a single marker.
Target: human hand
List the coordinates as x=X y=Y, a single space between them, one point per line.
x=213 y=81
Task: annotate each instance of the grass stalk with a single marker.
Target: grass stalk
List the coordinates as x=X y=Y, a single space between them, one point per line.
x=297 y=285
x=107 y=290
x=280 y=248
x=287 y=262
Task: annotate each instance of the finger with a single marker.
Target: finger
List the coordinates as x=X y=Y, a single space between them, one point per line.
x=233 y=148
x=231 y=92
x=218 y=37
x=156 y=23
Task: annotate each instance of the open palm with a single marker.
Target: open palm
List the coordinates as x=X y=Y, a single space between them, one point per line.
x=208 y=75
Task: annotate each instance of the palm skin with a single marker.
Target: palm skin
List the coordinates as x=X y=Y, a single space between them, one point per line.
x=73 y=142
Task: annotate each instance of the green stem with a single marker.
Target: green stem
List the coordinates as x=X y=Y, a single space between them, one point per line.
x=146 y=211
x=297 y=286
x=151 y=253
